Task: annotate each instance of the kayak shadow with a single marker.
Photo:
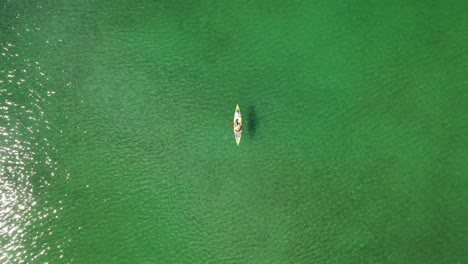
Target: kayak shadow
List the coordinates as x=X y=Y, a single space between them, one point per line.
x=252 y=121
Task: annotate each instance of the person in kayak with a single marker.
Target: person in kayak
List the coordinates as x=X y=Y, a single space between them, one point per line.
x=238 y=126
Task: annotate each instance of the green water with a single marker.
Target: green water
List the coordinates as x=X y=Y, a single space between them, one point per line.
x=114 y=144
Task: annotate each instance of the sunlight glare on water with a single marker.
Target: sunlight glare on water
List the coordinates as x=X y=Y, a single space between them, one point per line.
x=25 y=161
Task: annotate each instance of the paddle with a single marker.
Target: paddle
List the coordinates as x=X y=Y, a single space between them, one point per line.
x=230 y=124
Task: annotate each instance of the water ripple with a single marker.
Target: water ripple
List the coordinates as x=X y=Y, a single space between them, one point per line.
x=26 y=164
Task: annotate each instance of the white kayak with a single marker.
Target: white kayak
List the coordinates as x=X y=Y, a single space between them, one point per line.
x=237 y=125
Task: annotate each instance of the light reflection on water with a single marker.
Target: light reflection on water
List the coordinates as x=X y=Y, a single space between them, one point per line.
x=25 y=162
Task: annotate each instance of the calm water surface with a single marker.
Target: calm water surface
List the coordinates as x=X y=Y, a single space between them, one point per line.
x=114 y=144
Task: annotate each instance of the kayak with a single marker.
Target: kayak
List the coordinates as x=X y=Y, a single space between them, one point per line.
x=237 y=131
